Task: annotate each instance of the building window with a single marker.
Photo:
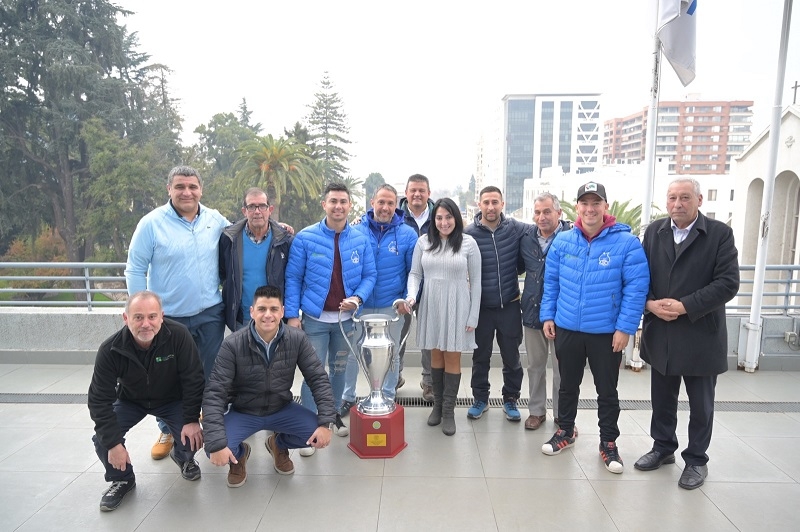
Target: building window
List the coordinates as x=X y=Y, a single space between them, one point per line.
x=731 y=195
x=712 y=215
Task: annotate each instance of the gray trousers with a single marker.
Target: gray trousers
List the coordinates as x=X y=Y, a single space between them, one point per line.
x=426 y=353
x=538 y=347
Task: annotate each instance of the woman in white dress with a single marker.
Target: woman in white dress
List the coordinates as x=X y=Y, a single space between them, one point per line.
x=449 y=263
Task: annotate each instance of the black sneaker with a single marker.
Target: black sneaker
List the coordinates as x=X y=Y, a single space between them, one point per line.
x=610 y=455
x=114 y=495
x=345 y=408
x=339 y=428
x=558 y=443
x=189 y=469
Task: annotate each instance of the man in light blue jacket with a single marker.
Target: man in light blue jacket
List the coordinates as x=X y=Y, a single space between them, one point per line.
x=174 y=253
x=392 y=242
x=595 y=286
x=331 y=272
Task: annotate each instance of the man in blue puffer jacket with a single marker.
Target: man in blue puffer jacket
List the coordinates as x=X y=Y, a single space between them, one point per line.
x=331 y=269
x=595 y=286
x=393 y=244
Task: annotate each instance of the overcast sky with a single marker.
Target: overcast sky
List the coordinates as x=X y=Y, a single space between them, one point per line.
x=420 y=79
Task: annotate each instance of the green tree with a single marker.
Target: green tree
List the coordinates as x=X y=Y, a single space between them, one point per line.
x=299 y=134
x=356 y=188
x=275 y=165
x=124 y=187
x=327 y=124
x=62 y=63
x=371 y=184
x=223 y=134
x=244 y=117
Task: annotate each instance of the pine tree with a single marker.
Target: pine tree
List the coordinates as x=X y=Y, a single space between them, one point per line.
x=327 y=124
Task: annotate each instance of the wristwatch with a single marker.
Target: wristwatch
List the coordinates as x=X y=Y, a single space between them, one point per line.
x=360 y=301
x=328 y=426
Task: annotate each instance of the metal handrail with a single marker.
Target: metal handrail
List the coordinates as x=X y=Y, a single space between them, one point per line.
x=789 y=291
x=88 y=280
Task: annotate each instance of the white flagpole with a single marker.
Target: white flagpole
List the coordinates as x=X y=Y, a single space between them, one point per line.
x=633 y=360
x=753 y=327
x=650 y=147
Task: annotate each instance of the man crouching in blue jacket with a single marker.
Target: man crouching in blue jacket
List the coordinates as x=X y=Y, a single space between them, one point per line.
x=595 y=286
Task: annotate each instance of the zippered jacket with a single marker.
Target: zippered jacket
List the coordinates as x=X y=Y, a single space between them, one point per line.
x=408 y=217
x=500 y=259
x=177 y=259
x=533 y=257
x=393 y=250
x=231 y=253
x=173 y=374
x=596 y=287
x=308 y=273
x=243 y=378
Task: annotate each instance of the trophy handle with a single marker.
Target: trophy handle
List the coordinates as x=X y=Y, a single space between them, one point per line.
x=344 y=335
x=395 y=305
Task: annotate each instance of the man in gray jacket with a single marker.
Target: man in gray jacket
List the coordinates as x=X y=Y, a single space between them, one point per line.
x=254 y=371
x=533 y=248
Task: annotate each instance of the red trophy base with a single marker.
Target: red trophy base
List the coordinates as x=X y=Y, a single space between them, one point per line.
x=377 y=436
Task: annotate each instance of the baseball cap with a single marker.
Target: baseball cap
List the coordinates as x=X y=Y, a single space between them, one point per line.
x=593 y=188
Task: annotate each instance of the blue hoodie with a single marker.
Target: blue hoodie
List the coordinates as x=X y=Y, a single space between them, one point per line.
x=393 y=244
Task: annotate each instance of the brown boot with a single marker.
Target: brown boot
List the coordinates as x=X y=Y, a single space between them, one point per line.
x=280 y=457
x=237 y=475
x=162 y=446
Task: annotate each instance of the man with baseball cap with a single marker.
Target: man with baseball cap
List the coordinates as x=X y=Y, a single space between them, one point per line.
x=595 y=286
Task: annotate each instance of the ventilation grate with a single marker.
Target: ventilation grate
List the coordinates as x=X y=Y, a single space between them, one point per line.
x=412 y=402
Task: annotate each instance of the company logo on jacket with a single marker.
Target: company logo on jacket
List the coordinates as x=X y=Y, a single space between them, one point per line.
x=605 y=259
x=354 y=257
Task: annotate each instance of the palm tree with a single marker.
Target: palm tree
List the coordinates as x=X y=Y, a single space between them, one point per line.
x=631 y=216
x=275 y=165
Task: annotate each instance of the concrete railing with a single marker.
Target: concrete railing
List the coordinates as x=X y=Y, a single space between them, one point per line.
x=32 y=333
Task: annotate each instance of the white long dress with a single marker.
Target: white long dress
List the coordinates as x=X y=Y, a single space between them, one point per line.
x=451 y=294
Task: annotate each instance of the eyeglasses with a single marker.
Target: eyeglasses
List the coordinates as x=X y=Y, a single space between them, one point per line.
x=263 y=207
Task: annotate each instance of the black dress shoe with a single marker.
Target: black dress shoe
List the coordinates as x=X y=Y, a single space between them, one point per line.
x=653 y=460
x=693 y=476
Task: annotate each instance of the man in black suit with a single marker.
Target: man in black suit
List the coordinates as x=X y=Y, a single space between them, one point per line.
x=694 y=271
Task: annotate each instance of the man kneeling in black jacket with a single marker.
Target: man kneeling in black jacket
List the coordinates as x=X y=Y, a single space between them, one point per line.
x=254 y=372
x=151 y=366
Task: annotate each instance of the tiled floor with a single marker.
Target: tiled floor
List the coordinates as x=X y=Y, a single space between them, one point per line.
x=490 y=476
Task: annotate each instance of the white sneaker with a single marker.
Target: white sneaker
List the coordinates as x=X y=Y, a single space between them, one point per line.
x=307 y=451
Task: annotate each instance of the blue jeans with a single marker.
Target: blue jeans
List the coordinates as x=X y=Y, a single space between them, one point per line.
x=128 y=415
x=351 y=375
x=330 y=345
x=293 y=425
x=207 y=329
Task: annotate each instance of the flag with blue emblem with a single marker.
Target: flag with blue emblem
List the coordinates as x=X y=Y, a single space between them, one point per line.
x=677 y=29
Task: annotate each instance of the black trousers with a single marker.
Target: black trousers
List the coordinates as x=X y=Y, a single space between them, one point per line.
x=573 y=349
x=128 y=415
x=664 y=397
x=507 y=321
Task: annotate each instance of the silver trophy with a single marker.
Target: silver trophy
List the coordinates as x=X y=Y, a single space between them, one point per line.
x=376 y=357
